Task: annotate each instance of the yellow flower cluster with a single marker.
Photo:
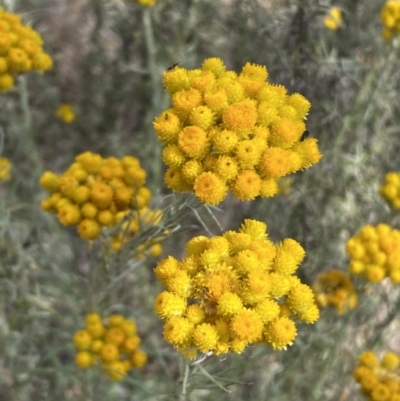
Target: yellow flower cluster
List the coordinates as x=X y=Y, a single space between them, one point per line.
x=375 y=253
x=65 y=113
x=234 y=290
x=390 y=190
x=333 y=20
x=115 y=345
x=96 y=192
x=379 y=380
x=390 y=17
x=5 y=169
x=229 y=131
x=145 y=2
x=335 y=288
x=20 y=50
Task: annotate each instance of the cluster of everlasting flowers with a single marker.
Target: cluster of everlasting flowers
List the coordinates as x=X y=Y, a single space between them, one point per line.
x=65 y=113
x=390 y=17
x=234 y=290
x=335 y=288
x=375 y=253
x=5 y=169
x=115 y=345
x=20 y=50
x=390 y=190
x=379 y=380
x=333 y=20
x=145 y=2
x=229 y=131
x=96 y=192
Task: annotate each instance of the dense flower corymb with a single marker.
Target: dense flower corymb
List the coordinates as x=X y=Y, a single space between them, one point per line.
x=390 y=17
x=113 y=345
x=231 y=131
x=98 y=192
x=335 y=288
x=234 y=290
x=390 y=189
x=375 y=253
x=20 y=50
x=379 y=379
x=65 y=113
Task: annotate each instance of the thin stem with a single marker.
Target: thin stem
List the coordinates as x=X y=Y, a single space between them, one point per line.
x=182 y=396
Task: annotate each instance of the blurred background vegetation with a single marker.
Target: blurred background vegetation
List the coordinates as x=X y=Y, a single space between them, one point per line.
x=109 y=58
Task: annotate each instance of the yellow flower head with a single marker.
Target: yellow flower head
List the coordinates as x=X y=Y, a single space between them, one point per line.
x=66 y=113
x=335 y=288
x=147 y=3
x=210 y=188
x=333 y=20
x=390 y=190
x=225 y=294
x=390 y=18
x=5 y=169
x=255 y=124
x=20 y=50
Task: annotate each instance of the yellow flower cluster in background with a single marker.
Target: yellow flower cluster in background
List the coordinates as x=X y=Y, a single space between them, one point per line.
x=145 y=2
x=333 y=20
x=379 y=380
x=375 y=253
x=65 y=113
x=335 y=288
x=20 y=50
x=234 y=290
x=390 y=17
x=390 y=190
x=5 y=169
x=96 y=192
x=229 y=131
x=114 y=345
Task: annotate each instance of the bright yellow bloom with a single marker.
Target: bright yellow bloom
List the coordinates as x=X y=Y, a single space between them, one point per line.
x=209 y=188
x=66 y=113
x=333 y=20
x=84 y=359
x=241 y=116
x=20 y=50
x=219 y=298
x=205 y=337
x=390 y=18
x=280 y=332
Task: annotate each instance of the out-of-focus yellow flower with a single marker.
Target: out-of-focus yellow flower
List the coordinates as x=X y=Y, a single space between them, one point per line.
x=375 y=253
x=333 y=20
x=390 y=18
x=223 y=295
x=335 y=288
x=241 y=132
x=114 y=344
x=145 y=2
x=20 y=50
x=5 y=169
x=65 y=113
x=379 y=380
x=390 y=189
